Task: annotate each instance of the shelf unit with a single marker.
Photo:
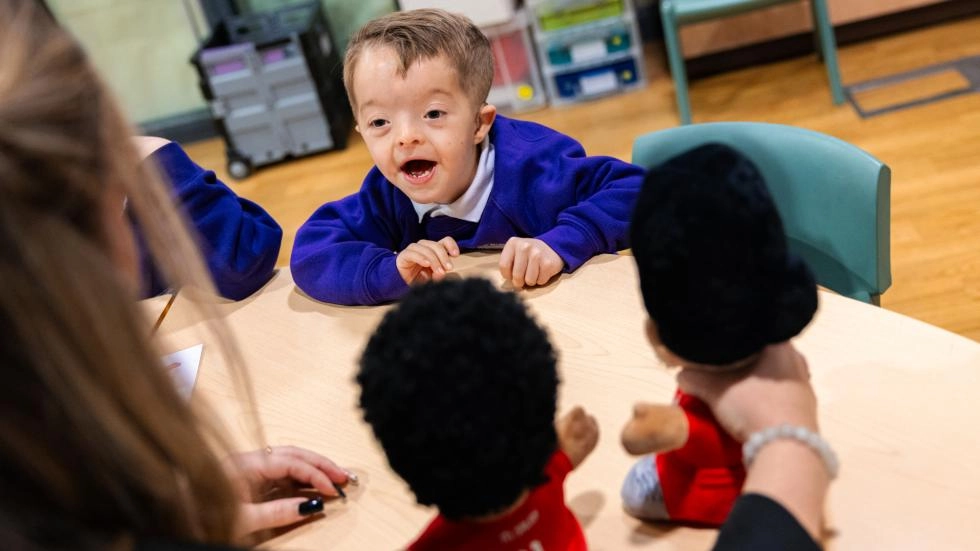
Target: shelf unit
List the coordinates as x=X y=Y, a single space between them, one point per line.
x=587 y=48
x=517 y=83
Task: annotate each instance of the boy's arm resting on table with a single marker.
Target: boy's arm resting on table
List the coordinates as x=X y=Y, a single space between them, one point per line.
x=578 y=433
x=239 y=240
x=606 y=190
x=345 y=255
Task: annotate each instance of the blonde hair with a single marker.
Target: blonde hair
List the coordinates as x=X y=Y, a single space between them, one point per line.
x=424 y=34
x=98 y=447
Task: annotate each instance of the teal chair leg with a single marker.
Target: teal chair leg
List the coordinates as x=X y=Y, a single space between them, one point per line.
x=823 y=26
x=676 y=60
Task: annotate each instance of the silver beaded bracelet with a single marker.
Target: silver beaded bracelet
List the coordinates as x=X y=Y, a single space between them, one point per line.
x=813 y=440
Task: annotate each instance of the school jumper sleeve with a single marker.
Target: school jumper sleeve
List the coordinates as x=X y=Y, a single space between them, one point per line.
x=583 y=203
x=345 y=253
x=240 y=241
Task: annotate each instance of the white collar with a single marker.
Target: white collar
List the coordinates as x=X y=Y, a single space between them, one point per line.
x=470 y=205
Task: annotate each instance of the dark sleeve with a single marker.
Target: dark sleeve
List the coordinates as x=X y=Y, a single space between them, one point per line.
x=345 y=253
x=239 y=240
x=758 y=523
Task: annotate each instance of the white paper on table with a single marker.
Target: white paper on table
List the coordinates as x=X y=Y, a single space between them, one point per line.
x=182 y=366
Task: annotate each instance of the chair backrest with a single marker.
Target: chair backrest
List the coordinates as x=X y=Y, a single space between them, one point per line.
x=833 y=197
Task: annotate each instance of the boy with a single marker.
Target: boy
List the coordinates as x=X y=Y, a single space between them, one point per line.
x=459 y=385
x=719 y=286
x=452 y=175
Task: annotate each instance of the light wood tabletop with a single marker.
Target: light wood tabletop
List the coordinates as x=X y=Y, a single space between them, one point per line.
x=898 y=401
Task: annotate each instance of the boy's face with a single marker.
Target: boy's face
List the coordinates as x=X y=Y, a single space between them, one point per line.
x=421 y=129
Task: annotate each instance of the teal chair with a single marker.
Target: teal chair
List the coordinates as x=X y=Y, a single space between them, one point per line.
x=833 y=197
x=674 y=13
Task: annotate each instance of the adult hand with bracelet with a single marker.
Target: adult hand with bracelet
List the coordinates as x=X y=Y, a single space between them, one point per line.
x=793 y=468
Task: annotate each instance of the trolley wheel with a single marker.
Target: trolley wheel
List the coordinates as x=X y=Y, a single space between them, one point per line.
x=239 y=168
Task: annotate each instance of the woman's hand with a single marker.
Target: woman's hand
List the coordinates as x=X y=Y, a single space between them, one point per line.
x=268 y=479
x=774 y=391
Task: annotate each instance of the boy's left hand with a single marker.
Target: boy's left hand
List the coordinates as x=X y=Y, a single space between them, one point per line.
x=578 y=433
x=526 y=261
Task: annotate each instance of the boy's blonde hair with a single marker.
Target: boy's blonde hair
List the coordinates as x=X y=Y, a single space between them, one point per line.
x=418 y=35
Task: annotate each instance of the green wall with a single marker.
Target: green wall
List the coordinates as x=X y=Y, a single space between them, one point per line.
x=142 y=47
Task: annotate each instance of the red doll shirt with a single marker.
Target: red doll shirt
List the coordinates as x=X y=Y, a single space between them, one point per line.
x=541 y=523
x=701 y=480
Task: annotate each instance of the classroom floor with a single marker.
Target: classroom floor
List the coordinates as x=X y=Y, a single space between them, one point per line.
x=933 y=150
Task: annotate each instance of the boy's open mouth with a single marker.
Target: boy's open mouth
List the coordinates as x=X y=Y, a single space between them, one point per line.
x=418 y=170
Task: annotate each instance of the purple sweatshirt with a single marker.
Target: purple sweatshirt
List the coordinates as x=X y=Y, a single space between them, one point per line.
x=240 y=241
x=544 y=186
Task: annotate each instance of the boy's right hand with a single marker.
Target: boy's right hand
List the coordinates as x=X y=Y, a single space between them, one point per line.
x=426 y=260
x=578 y=433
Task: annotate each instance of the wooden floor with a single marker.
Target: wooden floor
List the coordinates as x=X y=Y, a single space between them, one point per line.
x=933 y=150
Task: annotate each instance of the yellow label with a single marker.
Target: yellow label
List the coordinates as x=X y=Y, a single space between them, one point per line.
x=627 y=76
x=525 y=92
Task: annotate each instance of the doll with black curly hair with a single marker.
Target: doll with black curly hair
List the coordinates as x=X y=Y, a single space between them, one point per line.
x=459 y=384
x=719 y=286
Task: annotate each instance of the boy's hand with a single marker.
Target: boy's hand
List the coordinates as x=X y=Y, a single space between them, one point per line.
x=426 y=260
x=528 y=262
x=578 y=434
x=655 y=428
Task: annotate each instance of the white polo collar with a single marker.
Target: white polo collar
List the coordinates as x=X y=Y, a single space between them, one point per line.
x=470 y=205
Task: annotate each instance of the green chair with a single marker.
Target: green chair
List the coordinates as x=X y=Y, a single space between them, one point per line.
x=675 y=13
x=833 y=197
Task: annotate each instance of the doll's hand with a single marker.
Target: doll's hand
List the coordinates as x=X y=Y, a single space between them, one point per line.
x=655 y=428
x=578 y=434
x=426 y=260
x=528 y=262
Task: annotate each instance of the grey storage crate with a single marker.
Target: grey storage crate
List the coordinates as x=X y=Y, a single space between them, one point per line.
x=274 y=87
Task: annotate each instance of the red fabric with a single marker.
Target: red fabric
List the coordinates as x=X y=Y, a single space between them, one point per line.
x=701 y=480
x=541 y=523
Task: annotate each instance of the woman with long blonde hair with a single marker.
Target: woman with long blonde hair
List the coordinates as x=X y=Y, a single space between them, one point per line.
x=98 y=449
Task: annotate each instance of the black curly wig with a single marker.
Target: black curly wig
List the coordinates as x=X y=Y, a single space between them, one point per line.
x=459 y=384
x=715 y=272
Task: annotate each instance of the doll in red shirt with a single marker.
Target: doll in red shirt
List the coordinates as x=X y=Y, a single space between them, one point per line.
x=719 y=286
x=459 y=385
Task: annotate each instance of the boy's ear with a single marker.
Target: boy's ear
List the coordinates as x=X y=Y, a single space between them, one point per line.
x=484 y=120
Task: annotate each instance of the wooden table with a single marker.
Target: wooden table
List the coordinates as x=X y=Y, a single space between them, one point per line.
x=898 y=398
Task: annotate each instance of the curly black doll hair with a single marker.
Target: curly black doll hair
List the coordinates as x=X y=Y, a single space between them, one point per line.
x=715 y=272
x=459 y=384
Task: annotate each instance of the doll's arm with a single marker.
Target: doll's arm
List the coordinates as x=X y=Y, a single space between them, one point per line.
x=578 y=434
x=655 y=428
